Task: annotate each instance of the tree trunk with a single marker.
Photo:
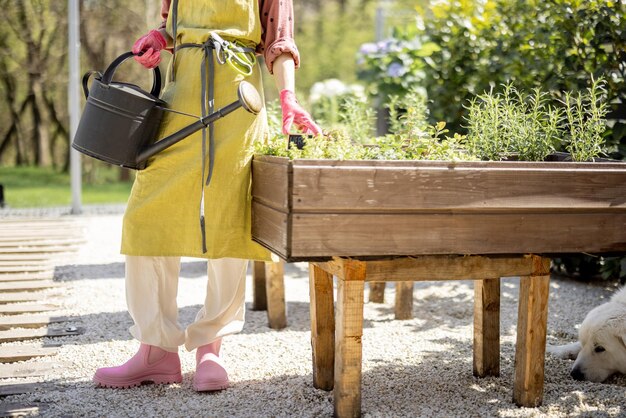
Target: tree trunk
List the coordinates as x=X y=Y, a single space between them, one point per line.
x=41 y=118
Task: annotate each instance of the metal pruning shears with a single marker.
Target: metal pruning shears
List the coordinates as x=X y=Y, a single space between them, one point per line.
x=235 y=53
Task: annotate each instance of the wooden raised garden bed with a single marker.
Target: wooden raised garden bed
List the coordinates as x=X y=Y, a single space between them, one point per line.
x=317 y=209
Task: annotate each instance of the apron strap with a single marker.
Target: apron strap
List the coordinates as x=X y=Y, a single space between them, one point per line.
x=174 y=35
x=207 y=75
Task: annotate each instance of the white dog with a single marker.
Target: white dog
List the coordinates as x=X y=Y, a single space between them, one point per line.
x=601 y=350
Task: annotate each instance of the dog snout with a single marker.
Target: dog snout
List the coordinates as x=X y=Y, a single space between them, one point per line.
x=577 y=374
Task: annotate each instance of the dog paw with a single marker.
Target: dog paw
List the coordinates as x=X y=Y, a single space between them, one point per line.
x=566 y=352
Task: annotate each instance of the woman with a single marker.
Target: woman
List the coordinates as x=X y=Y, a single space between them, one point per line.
x=193 y=199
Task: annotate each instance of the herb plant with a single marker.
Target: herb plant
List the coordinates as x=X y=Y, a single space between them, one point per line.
x=512 y=123
x=508 y=124
x=412 y=138
x=586 y=122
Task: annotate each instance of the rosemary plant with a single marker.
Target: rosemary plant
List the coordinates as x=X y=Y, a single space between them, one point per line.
x=585 y=122
x=512 y=123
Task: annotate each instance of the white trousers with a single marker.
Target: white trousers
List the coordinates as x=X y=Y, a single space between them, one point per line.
x=151 y=290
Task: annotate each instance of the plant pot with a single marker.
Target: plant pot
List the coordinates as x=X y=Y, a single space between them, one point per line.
x=317 y=209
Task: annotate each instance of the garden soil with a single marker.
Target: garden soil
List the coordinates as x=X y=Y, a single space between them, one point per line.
x=413 y=368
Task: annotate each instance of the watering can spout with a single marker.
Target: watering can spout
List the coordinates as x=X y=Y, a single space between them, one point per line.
x=248 y=98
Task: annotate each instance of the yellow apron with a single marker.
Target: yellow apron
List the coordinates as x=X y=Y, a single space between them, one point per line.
x=163 y=212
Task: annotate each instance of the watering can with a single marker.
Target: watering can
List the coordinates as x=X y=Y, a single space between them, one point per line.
x=120 y=120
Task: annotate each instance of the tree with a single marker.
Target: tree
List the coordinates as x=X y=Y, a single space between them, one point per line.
x=32 y=60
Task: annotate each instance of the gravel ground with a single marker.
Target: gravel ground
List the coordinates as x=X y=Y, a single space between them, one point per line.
x=416 y=368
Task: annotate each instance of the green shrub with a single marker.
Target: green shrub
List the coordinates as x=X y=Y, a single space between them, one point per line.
x=553 y=45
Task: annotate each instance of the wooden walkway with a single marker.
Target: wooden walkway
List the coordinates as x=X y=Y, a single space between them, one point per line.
x=30 y=248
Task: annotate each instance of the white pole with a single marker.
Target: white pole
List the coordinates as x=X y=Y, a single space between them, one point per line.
x=73 y=96
x=380 y=23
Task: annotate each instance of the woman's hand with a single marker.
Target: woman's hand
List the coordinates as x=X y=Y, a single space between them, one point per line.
x=147 y=49
x=294 y=114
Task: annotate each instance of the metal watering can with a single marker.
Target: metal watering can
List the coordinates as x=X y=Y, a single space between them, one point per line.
x=120 y=120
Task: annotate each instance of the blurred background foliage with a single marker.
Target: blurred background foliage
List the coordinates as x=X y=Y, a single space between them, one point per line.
x=467 y=47
x=367 y=50
x=450 y=50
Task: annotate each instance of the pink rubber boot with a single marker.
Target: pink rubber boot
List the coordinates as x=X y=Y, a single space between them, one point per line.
x=210 y=372
x=165 y=369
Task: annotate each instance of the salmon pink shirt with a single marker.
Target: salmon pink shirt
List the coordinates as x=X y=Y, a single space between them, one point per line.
x=277 y=30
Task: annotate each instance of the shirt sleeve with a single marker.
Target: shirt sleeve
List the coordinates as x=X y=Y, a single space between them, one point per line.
x=165 y=11
x=277 y=22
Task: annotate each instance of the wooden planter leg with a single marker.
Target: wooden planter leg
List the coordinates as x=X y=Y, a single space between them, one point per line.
x=322 y=327
x=348 y=348
x=531 y=335
x=404 y=300
x=259 y=295
x=487 y=327
x=377 y=292
x=275 y=288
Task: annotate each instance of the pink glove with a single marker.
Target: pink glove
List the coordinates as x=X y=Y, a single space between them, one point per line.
x=293 y=113
x=149 y=46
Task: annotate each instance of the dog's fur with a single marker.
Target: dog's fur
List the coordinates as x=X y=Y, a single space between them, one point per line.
x=601 y=349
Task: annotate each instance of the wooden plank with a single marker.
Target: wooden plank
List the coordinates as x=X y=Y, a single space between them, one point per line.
x=12 y=297
x=404 y=300
x=377 y=292
x=438 y=267
x=31 y=321
x=275 y=289
x=16 y=228
x=42 y=243
x=36 y=220
x=349 y=332
x=486 y=360
x=259 y=294
x=18 y=389
x=31 y=334
x=26 y=369
x=39 y=234
x=347 y=188
x=22 y=409
x=17 y=277
x=14 y=354
x=21 y=237
x=316 y=235
x=322 y=327
x=51 y=229
x=270 y=184
x=26 y=308
x=23 y=269
x=449 y=267
x=41 y=250
x=32 y=228
x=531 y=336
x=273 y=226
x=26 y=285
x=13 y=262
x=25 y=257
x=449 y=165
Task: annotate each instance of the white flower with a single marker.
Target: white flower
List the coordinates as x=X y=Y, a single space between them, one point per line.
x=358 y=91
x=327 y=88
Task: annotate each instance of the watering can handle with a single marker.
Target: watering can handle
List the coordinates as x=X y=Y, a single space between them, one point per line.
x=86 y=78
x=108 y=73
